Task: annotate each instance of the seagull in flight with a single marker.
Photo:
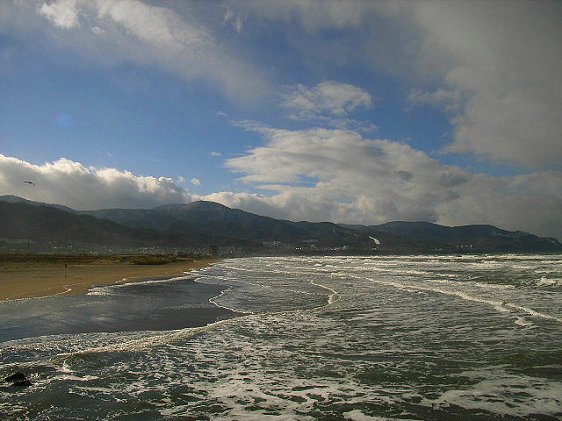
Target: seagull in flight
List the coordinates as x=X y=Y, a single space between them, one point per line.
x=30 y=183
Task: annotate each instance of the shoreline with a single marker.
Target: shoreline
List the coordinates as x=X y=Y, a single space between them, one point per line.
x=36 y=276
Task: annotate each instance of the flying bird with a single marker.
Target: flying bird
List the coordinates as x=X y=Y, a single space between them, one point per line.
x=30 y=182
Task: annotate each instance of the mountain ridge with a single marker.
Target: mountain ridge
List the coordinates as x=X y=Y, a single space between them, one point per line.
x=198 y=225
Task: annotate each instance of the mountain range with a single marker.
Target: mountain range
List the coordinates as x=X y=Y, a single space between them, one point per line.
x=194 y=227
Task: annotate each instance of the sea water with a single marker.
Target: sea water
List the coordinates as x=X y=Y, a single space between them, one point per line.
x=304 y=338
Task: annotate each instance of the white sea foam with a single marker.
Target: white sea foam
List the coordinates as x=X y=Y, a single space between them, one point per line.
x=109 y=289
x=67 y=289
x=499 y=304
x=471 y=283
x=508 y=395
x=357 y=415
x=334 y=295
x=522 y=321
x=546 y=282
x=215 y=301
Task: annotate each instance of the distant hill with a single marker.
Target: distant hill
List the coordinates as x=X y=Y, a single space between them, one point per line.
x=43 y=227
x=222 y=225
x=16 y=199
x=198 y=225
x=47 y=224
x=482 y=238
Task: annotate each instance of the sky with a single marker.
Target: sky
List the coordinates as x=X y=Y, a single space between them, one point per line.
x=348 y=111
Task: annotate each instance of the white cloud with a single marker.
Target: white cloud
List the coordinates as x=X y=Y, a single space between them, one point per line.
x=237 y=21
x=494 y=65
x=97 y=30
x=450 y=100
x=215 y=154
x=62 y=13
x=339 y=176
x=165 y=36
x=330 y=99
x=155 y=26
x=72 y=184
x=312 y=15
x=528 y=202
x=195 y=181
x=353 y=178
x=181 y=45
x=505 y=60
x=330 y=103
x=255 y=203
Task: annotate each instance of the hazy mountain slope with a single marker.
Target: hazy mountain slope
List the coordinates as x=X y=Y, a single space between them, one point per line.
x=214 y=221
x=16 y=199
x=49 y=224
x=200 y=224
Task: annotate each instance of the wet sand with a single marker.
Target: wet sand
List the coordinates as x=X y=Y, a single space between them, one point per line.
x=38 y=276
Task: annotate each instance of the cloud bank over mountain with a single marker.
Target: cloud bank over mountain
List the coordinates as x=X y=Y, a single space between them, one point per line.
x=72 y=184
x=341 y=176
x=312 y=179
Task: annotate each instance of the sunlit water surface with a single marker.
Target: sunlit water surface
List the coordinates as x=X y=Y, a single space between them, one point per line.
x=333 y=338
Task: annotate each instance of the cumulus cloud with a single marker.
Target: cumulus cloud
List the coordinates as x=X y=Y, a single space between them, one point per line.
x=62 y=13
x=354 y=179
x=340 y=176
x=72 y=184
x=195 y=181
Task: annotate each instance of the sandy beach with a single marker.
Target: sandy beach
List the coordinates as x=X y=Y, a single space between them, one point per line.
x=38 y=276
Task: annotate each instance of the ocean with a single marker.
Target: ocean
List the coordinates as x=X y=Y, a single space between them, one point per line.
x=298 y=338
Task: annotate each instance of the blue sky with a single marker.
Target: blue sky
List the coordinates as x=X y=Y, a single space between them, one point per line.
x=347 y=111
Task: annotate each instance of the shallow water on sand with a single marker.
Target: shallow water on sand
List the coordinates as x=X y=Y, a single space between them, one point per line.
x=152 y=305
x=359 y=338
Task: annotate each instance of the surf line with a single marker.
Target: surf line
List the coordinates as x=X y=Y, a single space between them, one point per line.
x=499 y=305
x=213 y=301
x=332 y=298
x=133 y=345
x=181 y=334
x=67 y=289
x=144 y=343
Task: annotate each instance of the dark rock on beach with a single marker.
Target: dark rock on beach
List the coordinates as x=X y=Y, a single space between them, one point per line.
x=22 y=383
x=19 y=380
x=16 y=377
